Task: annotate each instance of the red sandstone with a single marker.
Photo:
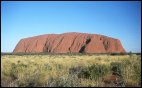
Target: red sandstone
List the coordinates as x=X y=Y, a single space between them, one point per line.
x=70 y=42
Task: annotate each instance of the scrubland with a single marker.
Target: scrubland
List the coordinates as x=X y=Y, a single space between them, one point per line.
x=68 y=70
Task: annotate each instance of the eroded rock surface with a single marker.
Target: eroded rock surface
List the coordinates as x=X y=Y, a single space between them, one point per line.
x=70 y=42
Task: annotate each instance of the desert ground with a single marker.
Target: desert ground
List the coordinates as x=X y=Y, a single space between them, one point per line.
x=71 y=70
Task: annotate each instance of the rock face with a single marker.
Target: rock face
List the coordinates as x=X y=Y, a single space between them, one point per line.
x=69 y=42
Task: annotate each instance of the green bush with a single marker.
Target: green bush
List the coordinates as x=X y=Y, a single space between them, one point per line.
x=93 y=72
x=116 y=67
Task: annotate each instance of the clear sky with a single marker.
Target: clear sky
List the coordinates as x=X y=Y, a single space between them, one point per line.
x=121 y=20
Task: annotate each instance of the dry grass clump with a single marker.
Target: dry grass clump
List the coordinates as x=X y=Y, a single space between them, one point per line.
x=68 y=70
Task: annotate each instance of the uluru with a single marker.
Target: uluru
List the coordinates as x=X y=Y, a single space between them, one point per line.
x=71 y=42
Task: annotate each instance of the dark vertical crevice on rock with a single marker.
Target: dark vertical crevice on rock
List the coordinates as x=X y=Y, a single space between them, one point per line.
x=45 y=48
x=70 y=50
x=82 y=49
x=48 y=50
x=36 y=43
x=25 y=47
x=46 y=45
x=72 y=43
x=106 y=44
x=59 y=43
x=88 y=40
x=101 y=38
x=29 y=44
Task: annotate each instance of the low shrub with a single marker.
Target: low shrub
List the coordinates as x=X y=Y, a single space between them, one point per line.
x=62 y=82
x=116 y=68
x=92 y=72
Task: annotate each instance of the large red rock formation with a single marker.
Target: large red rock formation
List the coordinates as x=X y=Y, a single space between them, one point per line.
x=70 y=42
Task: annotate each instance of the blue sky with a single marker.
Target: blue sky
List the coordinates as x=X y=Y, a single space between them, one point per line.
x=121 y=20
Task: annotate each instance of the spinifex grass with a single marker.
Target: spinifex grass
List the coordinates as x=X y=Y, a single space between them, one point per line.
x=54 y=70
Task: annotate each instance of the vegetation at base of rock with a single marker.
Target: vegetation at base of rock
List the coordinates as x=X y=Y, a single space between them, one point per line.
x=47 y=53
x=68 y=70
